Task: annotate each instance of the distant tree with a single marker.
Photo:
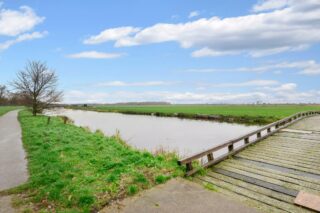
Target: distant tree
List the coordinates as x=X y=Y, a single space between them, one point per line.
x=38 y=84
x=3 y=94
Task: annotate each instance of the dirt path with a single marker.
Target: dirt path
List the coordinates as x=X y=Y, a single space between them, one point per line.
x=13 y=164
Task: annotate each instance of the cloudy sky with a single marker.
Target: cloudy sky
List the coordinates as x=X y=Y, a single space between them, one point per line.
x=180 y=51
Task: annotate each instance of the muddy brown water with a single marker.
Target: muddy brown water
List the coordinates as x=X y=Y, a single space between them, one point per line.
x=184 y=136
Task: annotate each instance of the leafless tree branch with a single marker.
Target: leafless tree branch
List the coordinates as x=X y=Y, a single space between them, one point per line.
x=39 y=84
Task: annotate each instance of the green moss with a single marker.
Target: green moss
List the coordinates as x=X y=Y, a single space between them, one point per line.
x=211 y=187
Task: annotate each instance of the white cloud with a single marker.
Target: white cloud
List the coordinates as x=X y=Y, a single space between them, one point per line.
x=288 y=87
x=194 y=14
x=111 y=35
x=21 y=38
x=310 y=67
x=265 y=5
x=252 y=83
x=15 y=22
x=291 y=28
x=134 y=84
x=265 y=96
x=174 y=97
x=95 y=55
x=287 y=93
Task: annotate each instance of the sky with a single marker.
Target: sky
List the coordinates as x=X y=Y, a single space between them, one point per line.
x=178 y=51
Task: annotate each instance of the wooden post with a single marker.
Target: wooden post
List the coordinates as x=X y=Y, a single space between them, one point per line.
x=65 y=119
x=246 y=140
x=230 y=147
x=189 y=166
x=210 y=157
x=49 y=119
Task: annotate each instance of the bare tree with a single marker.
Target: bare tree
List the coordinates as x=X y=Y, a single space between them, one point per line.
x=3 y=94
x=39 y=84
x=3 y=91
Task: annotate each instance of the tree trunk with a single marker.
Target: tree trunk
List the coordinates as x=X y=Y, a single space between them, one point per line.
x=34 y=107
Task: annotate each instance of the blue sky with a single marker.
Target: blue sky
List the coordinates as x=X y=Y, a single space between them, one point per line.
x=177 y=51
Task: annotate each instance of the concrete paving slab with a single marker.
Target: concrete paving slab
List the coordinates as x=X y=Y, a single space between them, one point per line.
x=178 y=195
x=5 y=205
x=13 y=163
x=308 y=200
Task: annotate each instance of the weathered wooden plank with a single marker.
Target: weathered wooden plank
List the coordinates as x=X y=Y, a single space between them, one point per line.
x=235 y=196
x=288 y=152
x=285 y=157
x=286 y=147
x=280 y=168
x=290 y=166
x=291 y=142
x=315 y=137
x=258 y=189
x=313 y=168
x=271 y=180
x=283 y=173
x=311 y=124
x=295 y=131
x=258 y=182
x=271 y=174
x=254 y=195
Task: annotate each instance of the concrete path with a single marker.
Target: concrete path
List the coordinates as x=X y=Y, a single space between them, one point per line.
x=178 y=195
x=5 y=205
x=13 y=164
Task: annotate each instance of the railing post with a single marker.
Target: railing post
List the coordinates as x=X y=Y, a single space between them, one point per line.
x=259 y=135
x=246 y=140
x=230 y=148
x=210 y=157
x=189 y=166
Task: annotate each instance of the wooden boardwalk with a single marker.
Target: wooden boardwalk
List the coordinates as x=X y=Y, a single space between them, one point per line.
x=269 y=175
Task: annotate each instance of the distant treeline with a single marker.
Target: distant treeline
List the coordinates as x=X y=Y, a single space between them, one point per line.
x=11 y=98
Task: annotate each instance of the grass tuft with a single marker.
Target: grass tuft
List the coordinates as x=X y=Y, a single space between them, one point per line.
x=132 y=189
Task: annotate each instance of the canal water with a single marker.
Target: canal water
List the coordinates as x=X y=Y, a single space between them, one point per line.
x=184 y=136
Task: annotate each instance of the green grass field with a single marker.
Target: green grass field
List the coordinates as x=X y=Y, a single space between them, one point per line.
x=74 y=170
x=240 y=113
x=5 y=109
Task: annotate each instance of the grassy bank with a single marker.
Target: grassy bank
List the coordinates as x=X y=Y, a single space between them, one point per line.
x=73 y=170
x=249 y=114
x=5 y=109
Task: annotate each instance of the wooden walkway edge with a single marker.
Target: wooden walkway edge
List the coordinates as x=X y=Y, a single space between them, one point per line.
x=281 y=173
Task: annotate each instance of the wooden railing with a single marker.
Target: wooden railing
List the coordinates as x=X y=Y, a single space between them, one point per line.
x=247 y=140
